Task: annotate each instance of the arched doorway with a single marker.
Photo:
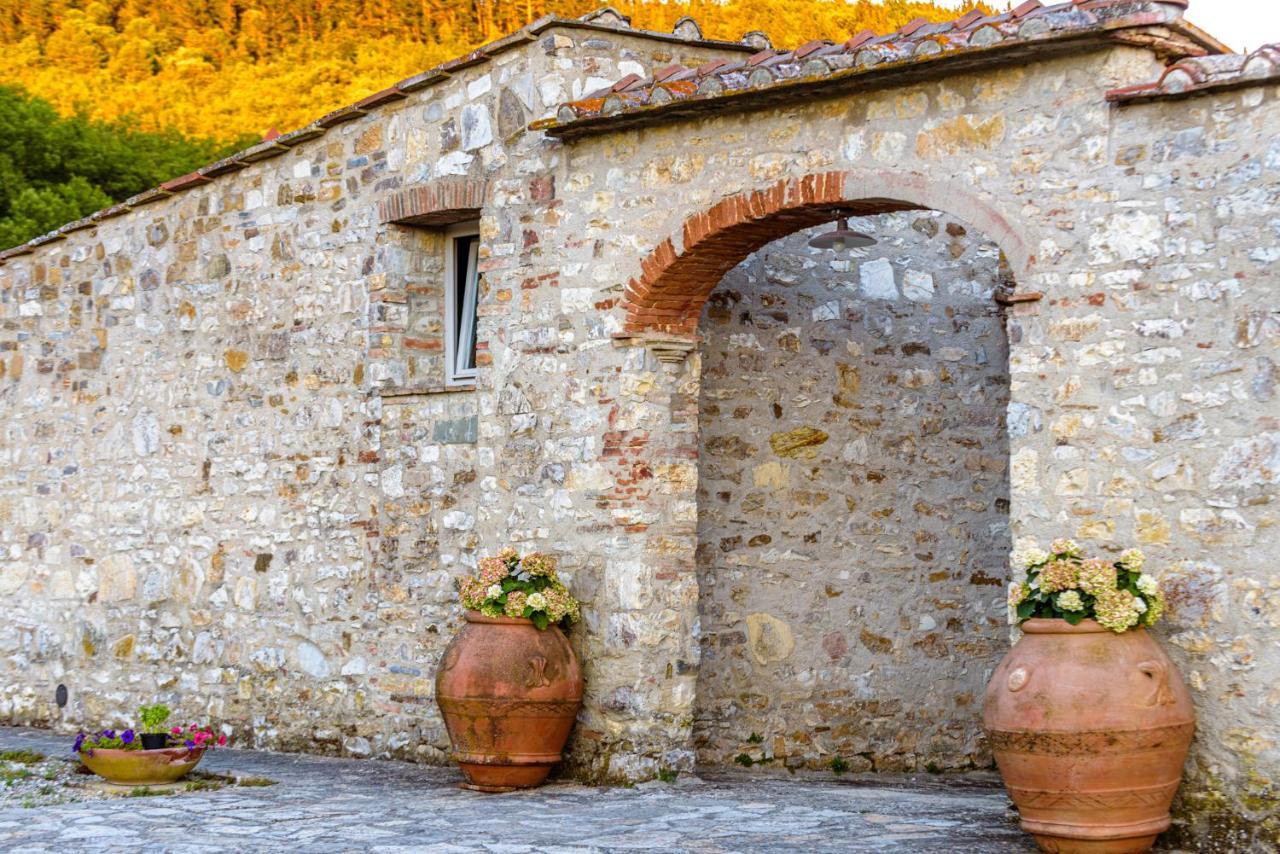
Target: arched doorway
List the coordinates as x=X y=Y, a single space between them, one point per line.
x=853 y=491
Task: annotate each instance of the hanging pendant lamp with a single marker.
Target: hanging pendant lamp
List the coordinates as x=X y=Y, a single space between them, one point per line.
x=842 y=238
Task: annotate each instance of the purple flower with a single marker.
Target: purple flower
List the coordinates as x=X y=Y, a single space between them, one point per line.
x=127 y=736
x=189 y=743
x=108 y=733
x=79 y=743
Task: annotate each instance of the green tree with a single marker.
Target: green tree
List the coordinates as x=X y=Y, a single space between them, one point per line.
x=55 y=169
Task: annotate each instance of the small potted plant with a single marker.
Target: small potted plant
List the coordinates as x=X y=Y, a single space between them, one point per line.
x=153 y=718
x=120 y=758
x=1087 y=717
x=509 y=685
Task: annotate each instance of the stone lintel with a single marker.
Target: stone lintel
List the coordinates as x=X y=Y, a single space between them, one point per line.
x=666 y=347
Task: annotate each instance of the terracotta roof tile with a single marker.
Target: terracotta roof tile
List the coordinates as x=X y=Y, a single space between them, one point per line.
x=912 y=25
x=1207 y=73
x=664 y=74
x=859 y=40
x=809 y=47
x=1027 y=8
x=386 y=96
x=916 y=41
x=191 y=179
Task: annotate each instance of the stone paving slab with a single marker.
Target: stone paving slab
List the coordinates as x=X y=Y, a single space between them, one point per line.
x=338 y=805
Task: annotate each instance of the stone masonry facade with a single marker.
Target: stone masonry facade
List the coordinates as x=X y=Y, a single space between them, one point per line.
x=235 y=480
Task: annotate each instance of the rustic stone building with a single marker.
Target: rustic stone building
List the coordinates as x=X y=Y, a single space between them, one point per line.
x=552 y=293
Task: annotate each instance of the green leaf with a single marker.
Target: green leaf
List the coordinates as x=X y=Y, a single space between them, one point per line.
x=1073 y=617
x=541 y=620
x=1026 y=609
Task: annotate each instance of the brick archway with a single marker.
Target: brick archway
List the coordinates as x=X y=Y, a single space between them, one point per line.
x=680 y=274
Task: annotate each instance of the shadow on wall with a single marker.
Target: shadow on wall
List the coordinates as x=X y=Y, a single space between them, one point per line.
x=853 y=501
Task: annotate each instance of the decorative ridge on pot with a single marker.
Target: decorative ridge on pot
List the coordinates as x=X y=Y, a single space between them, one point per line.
x=476 y=617
x=1046 y=626
x=1088 y=719
x=509 y=685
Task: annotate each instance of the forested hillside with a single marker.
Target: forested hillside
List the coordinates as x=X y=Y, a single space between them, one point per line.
x=222 y=68
x=54 y=169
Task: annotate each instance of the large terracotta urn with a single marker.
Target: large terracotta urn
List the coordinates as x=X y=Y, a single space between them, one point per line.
x=1090 y=730
x=509 y=694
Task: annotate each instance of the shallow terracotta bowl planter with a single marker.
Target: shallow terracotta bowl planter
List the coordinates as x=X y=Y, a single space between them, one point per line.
x=509 y=694
x=142 y=767
x=1090 y=730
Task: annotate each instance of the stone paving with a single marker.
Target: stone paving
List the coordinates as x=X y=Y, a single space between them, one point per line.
x=325 y=805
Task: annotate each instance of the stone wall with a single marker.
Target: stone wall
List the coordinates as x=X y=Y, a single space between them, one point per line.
x=853 y=501
x=1141 y=402
x=230 y=479
x=228 y=485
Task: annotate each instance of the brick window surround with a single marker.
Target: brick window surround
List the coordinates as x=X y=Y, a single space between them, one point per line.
x=439 y=203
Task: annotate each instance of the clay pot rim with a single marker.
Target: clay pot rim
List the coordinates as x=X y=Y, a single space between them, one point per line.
x=1056 y=626
x=477 y=617
x=119 y=751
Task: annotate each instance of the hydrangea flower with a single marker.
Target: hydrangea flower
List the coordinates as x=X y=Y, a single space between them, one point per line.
x=1097 y=577
x=538 y=564
x=1155 y=608
x=1114 y=610
x=492 y=571
x=507 y=585
x=1017 y=593
x=1029 y=557
x=1148 y=585
x=1070 y=601
x=1059 y=575
x=516 y=601
x=1063 y=546
x=1132 y=560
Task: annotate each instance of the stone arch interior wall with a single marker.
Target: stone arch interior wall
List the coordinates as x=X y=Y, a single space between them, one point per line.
x=853 y=500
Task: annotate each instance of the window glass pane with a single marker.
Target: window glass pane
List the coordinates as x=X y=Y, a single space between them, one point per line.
x=465 y=284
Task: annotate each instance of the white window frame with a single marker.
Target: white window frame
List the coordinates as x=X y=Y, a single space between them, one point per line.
x=454 y=349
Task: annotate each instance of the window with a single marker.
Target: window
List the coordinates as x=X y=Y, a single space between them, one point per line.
x=461 y=278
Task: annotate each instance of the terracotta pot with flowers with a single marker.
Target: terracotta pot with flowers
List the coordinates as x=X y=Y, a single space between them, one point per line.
x=119 y=756
x=1088 y=719
x=509 y=685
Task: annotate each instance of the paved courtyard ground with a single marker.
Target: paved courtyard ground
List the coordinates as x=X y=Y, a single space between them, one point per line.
x=337 y=805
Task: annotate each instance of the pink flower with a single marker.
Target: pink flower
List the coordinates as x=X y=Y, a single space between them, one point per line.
x=222 y=740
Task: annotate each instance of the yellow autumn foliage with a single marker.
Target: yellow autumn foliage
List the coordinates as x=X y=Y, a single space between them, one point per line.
x=223 y=68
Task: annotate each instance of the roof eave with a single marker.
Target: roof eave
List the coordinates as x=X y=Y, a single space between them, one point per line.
x=1175 y=36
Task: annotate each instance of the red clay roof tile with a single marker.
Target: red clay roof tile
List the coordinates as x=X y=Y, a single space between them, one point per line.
x=1027 y=8
x=915 y=24
x=916 y=41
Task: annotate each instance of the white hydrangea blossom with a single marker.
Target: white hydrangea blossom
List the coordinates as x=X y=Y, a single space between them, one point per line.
x=1030 y=556
x=1148 y=585
x=536 y=601
x=1132 y=559
x=1070 y=601
x=494 y=591
x=1139 y=605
